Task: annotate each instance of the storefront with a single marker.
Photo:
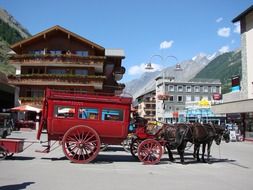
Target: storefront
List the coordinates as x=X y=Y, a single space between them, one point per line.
x=240 y=112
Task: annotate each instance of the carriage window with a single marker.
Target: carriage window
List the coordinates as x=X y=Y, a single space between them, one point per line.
x=112 y=115
x=88 y=113
x=64 y=111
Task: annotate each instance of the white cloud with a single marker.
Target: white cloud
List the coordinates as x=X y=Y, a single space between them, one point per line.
x=224 y=32
x=224 y=49
x=237 y=28
x=139 y=69
x=219 y=19
x=166 y=44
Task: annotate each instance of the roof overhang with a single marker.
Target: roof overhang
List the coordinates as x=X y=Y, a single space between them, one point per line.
x=243 y=14
x=52 y=29
x=242 y=106
x=115 y=53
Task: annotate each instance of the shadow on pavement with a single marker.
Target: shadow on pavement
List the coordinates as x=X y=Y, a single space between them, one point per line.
x=16 y=186
x=19 y=158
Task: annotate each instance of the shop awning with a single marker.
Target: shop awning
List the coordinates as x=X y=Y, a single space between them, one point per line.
x=242 y=106
x=26 y=108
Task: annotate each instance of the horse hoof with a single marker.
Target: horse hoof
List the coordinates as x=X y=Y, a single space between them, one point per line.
x=172 y=160
x=204 y=161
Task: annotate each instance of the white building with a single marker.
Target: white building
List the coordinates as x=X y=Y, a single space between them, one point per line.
x=241 y=102
x=178 y=101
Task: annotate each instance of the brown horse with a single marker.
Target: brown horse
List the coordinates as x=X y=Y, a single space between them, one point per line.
x=197 y=134
x=219 y=133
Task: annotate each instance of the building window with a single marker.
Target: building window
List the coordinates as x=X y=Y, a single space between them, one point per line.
x=180 y=88
x=196 y=98
x=55 y=52
x=88 y=113
x=213 y=89
x=171 y=98
x=205 y=88
x=180 y=98
x=81 y=72
x=82 y=53
x=37 y=52
x=34 y=93
x=56 y=71
x=188 y=89
x=196 y=89
x=204 y=97
x=188 y=98
x=171 y=88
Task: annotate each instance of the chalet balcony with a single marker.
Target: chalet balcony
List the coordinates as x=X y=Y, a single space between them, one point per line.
x=34 y=101
x=59 y=60
x=57 y=80
x=119 y=72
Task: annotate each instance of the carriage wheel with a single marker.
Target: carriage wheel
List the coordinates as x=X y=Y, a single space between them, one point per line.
x=103 y=146
x=150 y=151
x=81 y=144
x=3 y=153
x=134 y=147
x=127 y=142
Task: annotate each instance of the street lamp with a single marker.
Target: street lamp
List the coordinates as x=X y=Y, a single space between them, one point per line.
x=163 y=96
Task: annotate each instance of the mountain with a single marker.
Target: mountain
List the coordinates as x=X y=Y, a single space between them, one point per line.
x=217 y=66
x=146 y=82
x=10 y=26
x=223 y=68
x=11 y=31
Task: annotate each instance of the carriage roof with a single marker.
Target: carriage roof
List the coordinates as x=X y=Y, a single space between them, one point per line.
x=87 y=97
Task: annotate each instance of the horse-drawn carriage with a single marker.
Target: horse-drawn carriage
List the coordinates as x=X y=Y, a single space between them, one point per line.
x=82 y=122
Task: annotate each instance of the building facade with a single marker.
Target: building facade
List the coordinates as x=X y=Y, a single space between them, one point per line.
x=60 y=59
x=146 y=105
x=240 y=103
x=7 y=93
x=179 y=101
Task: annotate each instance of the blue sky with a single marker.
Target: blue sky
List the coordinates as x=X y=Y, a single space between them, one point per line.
x=182 y=28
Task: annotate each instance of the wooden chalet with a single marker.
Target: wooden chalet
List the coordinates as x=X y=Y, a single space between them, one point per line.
x=60 y=59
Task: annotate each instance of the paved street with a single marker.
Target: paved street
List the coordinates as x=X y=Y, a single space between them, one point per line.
x=115 y=169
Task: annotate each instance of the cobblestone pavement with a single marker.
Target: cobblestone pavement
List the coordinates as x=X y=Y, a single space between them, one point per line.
x=115 y=169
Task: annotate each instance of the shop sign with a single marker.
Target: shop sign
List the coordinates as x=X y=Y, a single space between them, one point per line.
x=217 y=96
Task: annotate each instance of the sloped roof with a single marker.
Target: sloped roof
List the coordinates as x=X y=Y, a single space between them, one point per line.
x=57 y=27
x=243 y=14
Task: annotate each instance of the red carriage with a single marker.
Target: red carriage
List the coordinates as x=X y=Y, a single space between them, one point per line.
x=82 y=122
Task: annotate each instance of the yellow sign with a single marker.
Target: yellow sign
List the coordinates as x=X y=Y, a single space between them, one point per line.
x=204 y=103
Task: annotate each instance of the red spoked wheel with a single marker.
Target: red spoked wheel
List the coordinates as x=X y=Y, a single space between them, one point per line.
x=81 y=144
x=134 y=147
x=150 y=151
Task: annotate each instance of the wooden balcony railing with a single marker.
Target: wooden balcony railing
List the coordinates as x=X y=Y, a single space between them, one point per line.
x=60 y=59
x=35 y=101
x=56 y=80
